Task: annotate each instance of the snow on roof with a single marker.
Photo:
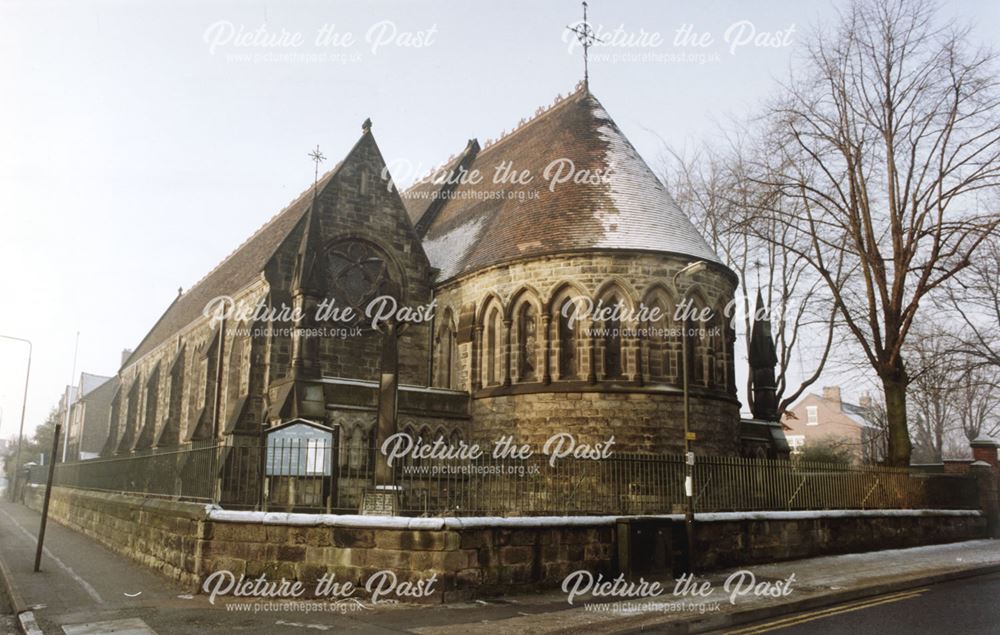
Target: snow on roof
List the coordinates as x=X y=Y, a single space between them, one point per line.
x=588 y=189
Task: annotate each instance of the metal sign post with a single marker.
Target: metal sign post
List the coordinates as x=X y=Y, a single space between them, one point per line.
x=48 y=495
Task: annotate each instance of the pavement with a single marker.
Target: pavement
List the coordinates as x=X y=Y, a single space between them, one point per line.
x=85 y=588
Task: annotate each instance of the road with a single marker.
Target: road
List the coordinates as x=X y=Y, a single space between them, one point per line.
x=967 y=607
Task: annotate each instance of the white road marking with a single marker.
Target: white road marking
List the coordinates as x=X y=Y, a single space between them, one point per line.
x=132 y=595
x=318 y=627
x=91 y=591
x=129 y=626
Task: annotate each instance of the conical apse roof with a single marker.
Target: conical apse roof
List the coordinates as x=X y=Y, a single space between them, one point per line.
x=614 y=201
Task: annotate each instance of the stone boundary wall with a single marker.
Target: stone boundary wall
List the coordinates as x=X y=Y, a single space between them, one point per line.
x=164 y=535
x=774 y=536
x=470 y=556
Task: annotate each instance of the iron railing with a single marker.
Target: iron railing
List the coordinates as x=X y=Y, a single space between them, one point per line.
x=314 y=476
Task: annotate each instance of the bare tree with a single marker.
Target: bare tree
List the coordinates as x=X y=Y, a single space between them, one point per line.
x=886 y=138
x=976 y=397
x=975 y=297
x=934 y=377
x=953 y=398
x=712 y=185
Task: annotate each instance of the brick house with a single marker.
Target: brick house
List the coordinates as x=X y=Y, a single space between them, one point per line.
x=827 y=418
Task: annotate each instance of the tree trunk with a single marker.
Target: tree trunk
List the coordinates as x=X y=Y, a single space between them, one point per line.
x=894 y=384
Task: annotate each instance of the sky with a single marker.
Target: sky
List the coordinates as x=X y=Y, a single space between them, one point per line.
x=143 y=142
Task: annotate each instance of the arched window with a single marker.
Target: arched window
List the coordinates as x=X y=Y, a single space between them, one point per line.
x=716 y=350
x=657 y=340
x=169 y=434
x=494 y=347
x=569 y=364
x=613 y=365
x=237 y=383
x=131 y=417
x=722 y=337
x=527 y=338
x=447 y=353
x=698 y=331
x=146 y=425
x=356 y=449
x=447 y=356
x=729 y=334
x=114 y=420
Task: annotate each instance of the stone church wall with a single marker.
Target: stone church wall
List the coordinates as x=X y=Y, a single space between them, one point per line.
x=638 y=421
x=641 y=405
x=174 y=385
x=359 y=210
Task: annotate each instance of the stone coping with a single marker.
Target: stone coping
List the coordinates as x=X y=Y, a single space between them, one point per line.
x=185 y=509
x=214 y=513
x=486 y=522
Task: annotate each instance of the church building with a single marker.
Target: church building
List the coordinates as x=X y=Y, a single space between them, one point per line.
x=565 y=214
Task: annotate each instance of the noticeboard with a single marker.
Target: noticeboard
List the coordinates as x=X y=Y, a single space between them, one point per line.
x=299 y=449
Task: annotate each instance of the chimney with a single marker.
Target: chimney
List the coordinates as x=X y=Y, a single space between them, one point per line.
x=865 y=401
x=832 y=393
x=127 y=352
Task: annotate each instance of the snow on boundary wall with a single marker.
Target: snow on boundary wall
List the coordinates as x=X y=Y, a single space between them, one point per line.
x=481 y=522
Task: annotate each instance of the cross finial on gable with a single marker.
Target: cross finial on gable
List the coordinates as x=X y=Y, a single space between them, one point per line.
x=317 y=158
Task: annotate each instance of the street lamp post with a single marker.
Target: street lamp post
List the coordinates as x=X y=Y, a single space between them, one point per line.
x=690 y=269
x=24 y=405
